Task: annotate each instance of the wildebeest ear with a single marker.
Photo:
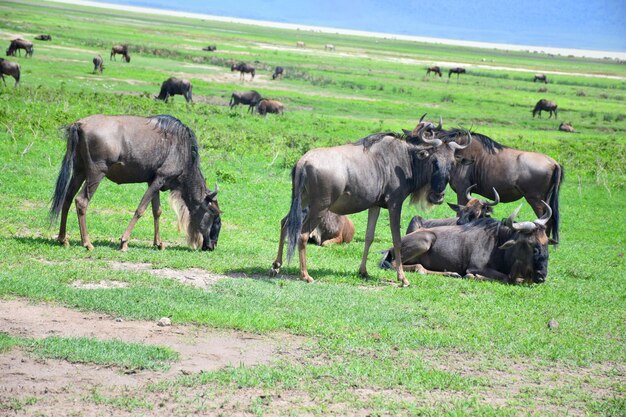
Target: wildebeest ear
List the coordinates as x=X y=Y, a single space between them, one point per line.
x=423 y=154
x=508 y=244
x=455 y=207
x=211 y=195
x=464 y=161
x=406 y=132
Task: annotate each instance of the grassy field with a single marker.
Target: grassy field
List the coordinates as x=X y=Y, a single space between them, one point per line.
x=440 y=347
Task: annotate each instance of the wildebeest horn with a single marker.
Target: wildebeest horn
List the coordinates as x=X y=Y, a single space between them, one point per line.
x=455 y=146
x=433 y=142
x=440 y=126
x=422 y=118
x=546 y=216
x=524 y=226
x=509 y=221
x=495 y=201
x=467 y=192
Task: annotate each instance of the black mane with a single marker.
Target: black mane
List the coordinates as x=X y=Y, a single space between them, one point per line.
x=370 y=140
x=490 y=145
x=172 y=126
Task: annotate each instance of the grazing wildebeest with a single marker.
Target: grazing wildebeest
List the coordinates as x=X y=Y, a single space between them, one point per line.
x=435 y=69
x=484 y=249
x=512 y=172
x=541 y=77
x=251 y=98
x=380 y=170
x=98 y=64
x=566 y=127
x=17 y=45
x=545 y=105
x=278 y=72
x=243 y=69
x=159 y=150
x=474 y=209
x=332 y=229
x=43 y=37
x=210 y=48
x=329 y=47
x=173 y=86
x=299 y=44
x=9 y=68
x=269 y=106
x=121 y=50
x=457 y=71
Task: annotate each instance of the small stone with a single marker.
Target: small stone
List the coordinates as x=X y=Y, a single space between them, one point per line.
x=553 y=324
x=164 y=321
x=119 y=319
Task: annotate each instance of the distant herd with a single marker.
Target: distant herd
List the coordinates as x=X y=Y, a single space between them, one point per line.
x=378 y=171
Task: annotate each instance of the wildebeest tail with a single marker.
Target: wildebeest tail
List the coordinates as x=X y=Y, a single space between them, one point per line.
x=557 y=178
x=386 y=262
x=65 y=173
x=294 y=218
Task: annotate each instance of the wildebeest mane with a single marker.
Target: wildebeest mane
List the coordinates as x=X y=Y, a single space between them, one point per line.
x=490 y=145
x=370 y=140
x=172 y=126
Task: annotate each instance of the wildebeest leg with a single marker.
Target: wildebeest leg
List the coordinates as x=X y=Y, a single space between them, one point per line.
x=311 y=220
x=419 y=268
x=156 y=214
x=3 y=80
x=82 y=201
x=154 y=187
x=279 y=256
x=487 y=274
x=336 y=240
x=72 y=189
x=372 y=218
x=394 y=223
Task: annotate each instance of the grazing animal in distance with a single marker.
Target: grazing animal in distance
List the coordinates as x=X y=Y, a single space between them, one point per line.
x=541 y=77
x=19 y=44
x=485 y=249
x=243 y=69
x=269 y=106
x=159 y=150
x=173 y=86
x=251 y=98
x=98 y=64
x=299 y=44
x=278 y=72
x=43 y=37
x=10 y=68
x=458 y=71
x=121 y=50
x=435 y=69
x=329 y=47
x=333 y=228
x=566 y=127
x=380 y=170
x=545 y=105
x=210 y=48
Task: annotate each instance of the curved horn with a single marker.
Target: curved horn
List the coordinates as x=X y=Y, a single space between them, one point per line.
x=509 y=221
x=524 y=226
x=440 y=126
x=422 y=118
x=546 y=216
x=217 y=187
x=455 y=146
x=433 y=142
x=467 y=192
x=495 y=201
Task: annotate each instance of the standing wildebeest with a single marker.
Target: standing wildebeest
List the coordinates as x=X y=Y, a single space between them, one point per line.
x=269 y=106
x=122 y=50
x=159 y=150
x=566 y=127
x=332 y=229
x=484 y=249
x=545 y=105
x=98 y=64
x=299 y=44
x=173 y=86
x=9 y=68
x=278 y=72
x=435 y=69
x=43 y=37
x=457 y=71
x=541 y=77
x=329 y=47
x=380 y=170
x=210 y=48
x=251 y=98
x=17 y=44
x=513 y=173
x=474 y=209
x=243 y=69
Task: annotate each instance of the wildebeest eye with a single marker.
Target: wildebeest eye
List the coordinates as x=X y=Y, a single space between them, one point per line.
x=423 y=154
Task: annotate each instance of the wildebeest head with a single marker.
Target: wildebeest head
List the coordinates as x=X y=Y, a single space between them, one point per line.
x=205 y=216
x=234 y=67
x=527 y=249
x=475 y=208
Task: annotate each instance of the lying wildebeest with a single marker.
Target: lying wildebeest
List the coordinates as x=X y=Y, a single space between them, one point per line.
x=513 y=173
x=243 y=69
x=98 y=64
x=251 y=98
x=380 y=170
x=332 y=229
x=9 y=68
x=329 y=47
x=269 y=106
x=278 y=72
x=173 y=86
x=545 y=105
x=210 y=48
x=121 y=50
x=17 y=45
x=457 y=71
x=484 y=249
x=474 y=209
x=541 y=77
x=159 y=150
x=434 y=69
x=566 y=127
x=43 y=37
x=300 y=44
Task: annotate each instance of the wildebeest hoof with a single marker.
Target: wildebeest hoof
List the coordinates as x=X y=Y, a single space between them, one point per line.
x=308 y=279
x=123 y=246
x=160 y=245
x=364 y=274
x=404 y=283
x=65 y=243
x=89 y=247
x=274 y=272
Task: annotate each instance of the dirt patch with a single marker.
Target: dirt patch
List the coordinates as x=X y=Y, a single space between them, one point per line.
x=195 y=277
x=99 y=285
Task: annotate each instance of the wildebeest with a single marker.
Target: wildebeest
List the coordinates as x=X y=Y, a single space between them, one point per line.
x=43 y=37
x=329 y=47
x=474 y=209
x=243 y=69
x=278 y=72
x=98 y=64
x=435 y=69
x=484 y=249
x=159 y=150
x=541 y=77
x=173 y=86
x=545 y=105
x=251 y=98
x=566 y=127
x=299 y=44
x=121 y=50
x=380 y=170
x=332 y=229
x=210 y=48
x=457 y=71
x=269 y=106
x=9 y=68
x=17 y=45
x=512 y=172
